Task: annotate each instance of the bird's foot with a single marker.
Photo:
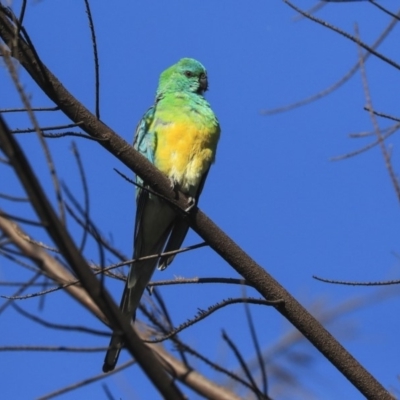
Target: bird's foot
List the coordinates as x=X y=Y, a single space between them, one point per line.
x=173 y=183
x=190 y=204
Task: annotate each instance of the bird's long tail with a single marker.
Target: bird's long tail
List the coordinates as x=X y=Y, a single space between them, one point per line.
x=142 y=272
x=154 y=221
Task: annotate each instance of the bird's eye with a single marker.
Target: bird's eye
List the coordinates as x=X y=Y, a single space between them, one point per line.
x=189 y=74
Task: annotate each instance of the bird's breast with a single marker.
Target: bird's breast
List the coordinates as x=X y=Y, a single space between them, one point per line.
x=185 y=150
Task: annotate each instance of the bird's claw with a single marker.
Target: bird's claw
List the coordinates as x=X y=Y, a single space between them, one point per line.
x=191 y=200
x=173 y=183
x=190 y=204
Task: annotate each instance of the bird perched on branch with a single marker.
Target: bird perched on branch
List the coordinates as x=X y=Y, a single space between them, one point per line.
x=179 y=135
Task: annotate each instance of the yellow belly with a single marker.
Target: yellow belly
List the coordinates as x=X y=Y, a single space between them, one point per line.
x=184 y=152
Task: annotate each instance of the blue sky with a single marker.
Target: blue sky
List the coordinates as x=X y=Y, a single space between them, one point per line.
x=273 y=188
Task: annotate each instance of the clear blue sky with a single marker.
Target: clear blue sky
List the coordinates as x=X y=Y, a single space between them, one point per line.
x=273 y=188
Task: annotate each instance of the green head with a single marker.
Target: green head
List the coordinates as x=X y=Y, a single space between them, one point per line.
x=187 y=75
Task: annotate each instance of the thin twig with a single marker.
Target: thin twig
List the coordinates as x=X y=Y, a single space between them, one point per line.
x=246 y=370
x=369 y=146
x=107 y=391
x=13 y=198
x=193 y=352
x=181 y=281
x=86 y=381
x=325 y=24
x=337 y=84
x=7 y=253
x=46 y=128
x=20 y=219
x=32 y=117
x=35 y=109
x=55 y=348
x=364 y=134
x=73 y=134
x=20 y=290
x=103 y=241
x=21 y=15
x=86 y=207
x=384 y=9
x=202 y=314
x=316 y=7
x=256 y=345
x=380 y=138
x=216 y=367
x=383 y=115
x=357 y=283
x=52 y=325
x=96 y=59
x=168 y=318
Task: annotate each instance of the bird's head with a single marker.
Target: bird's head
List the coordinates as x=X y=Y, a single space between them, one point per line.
x=187 y=75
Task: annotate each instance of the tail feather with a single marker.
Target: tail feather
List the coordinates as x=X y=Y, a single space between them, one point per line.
x=154 y=227
x=142 y=272
x=175 y=241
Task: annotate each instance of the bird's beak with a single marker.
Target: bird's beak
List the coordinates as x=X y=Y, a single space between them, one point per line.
x=203 y=83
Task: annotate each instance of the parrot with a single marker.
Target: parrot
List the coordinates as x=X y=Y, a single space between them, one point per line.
x=179 y=136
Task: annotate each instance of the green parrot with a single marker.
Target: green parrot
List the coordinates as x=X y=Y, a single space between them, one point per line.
x=179 y=135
